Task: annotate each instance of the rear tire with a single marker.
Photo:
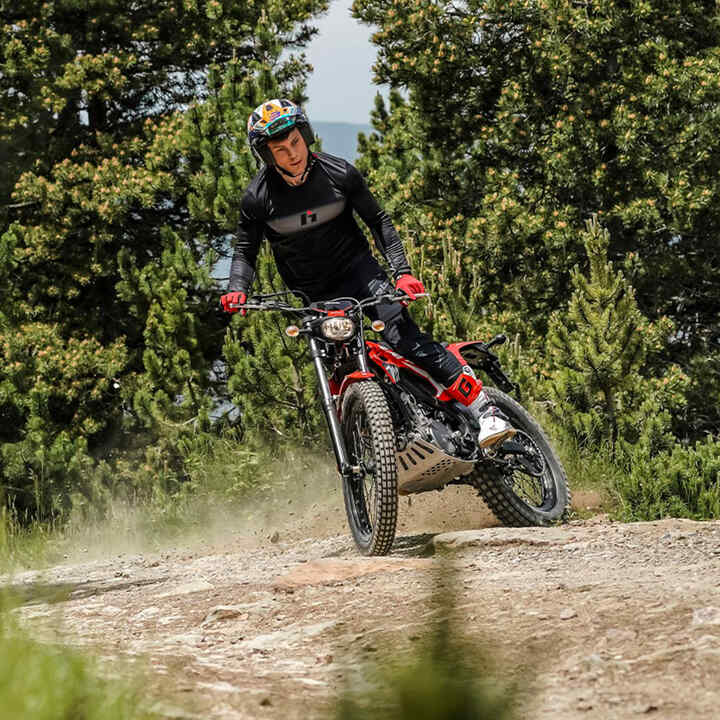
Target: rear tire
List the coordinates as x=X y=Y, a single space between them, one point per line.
x=517 y=498
x=371 y=501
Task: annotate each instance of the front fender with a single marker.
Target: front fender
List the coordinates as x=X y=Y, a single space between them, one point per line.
x=354 y=377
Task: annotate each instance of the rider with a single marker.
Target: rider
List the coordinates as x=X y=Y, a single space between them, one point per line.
x=303 y=203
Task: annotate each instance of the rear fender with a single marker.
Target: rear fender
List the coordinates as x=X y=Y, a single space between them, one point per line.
x=473 y=354
x=467 y=352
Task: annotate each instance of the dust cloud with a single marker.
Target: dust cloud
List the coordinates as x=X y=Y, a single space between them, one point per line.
x=299 y=497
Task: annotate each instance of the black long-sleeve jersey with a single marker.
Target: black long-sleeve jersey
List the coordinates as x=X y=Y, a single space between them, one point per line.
x=311 y=228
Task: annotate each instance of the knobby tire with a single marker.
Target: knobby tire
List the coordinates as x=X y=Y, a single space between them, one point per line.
x=365 y=413
x=507 y=506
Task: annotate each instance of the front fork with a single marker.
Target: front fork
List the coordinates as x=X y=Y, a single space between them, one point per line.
x=347 y=470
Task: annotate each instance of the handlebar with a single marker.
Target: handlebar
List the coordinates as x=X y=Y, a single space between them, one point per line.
x=258 y=302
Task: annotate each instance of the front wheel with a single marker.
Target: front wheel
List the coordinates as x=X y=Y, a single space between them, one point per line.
x=371 y=496
x=524 y=483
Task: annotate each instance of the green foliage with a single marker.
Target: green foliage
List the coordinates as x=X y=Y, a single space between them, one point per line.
x=44 y=682
x=272 y=378
x=57 y=396
x=540 y=114
x=124 y=130
x=603 y=395
x=679 y=482
x=702 y=411
x=598 y=355
x=123 y=161
x=523 y=119
x=173 y=398
x=520 y=121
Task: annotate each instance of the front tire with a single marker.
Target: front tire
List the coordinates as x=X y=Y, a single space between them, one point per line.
x=371 y=500
x=518 y=496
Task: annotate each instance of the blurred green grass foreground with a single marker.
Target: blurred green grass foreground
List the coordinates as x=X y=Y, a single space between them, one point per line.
x=49 y=682
x=441 y=682
x=446 y=675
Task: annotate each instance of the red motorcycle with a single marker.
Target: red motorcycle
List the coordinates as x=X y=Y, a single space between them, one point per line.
x=395 y=431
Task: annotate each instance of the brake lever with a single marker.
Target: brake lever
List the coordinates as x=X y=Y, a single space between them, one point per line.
x=405 y=298
x=398 y=296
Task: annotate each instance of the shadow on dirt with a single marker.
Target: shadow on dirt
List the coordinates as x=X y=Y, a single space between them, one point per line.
x=53 y=593
x=413 y=545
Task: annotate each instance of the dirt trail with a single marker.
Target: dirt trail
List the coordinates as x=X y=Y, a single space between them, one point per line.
x=619 y=621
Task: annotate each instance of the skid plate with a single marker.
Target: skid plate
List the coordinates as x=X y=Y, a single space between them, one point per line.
x=423 y=466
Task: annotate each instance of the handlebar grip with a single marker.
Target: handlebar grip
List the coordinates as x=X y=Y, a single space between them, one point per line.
x=499 y=339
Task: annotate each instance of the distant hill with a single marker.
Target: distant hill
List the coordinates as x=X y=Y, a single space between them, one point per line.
x=340 y=138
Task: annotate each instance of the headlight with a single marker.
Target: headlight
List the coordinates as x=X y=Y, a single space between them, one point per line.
x=338 y=328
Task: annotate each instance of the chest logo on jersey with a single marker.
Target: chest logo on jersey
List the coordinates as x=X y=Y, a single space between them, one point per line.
x=307 y=219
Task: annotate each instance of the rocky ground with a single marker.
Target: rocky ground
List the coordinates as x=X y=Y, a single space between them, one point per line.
x=612 y=620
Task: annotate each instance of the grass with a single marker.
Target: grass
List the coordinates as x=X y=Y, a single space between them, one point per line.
x=589 y=470
x=445 y=676
x=47 y=682
x=22 y=546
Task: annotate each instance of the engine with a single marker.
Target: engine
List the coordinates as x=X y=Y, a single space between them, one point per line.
x=430 y=425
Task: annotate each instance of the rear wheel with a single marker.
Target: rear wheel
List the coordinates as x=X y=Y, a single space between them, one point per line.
x=524 y=483
x=371 y=497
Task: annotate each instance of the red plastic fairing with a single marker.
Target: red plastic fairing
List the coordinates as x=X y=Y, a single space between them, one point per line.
x=382 y=356
x=375 y=353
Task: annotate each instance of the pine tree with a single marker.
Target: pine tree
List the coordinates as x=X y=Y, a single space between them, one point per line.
x=272 y=379
x=111 y=205
x=599 y=352
x=678 y=482
x=523 y=119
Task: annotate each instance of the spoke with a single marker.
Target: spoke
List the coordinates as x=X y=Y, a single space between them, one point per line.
x=365 y=489
x=529 y=490
x=528 y=487
x=369 y=494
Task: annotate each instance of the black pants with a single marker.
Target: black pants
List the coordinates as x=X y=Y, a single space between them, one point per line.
x=365 y=279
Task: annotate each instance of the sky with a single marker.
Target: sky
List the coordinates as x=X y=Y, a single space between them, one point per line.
x=340 y=88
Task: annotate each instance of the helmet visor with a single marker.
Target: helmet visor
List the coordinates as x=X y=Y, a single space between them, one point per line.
x=280 y=126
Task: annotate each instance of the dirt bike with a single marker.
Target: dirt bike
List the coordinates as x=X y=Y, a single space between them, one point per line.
x=395 y=431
